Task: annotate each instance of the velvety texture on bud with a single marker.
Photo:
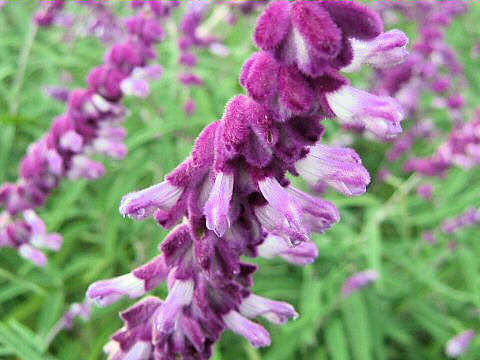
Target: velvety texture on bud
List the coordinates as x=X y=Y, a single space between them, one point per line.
x=232 y=197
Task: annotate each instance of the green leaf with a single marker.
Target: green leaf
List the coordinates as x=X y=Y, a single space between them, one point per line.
x=357 y=323
x=336 y=340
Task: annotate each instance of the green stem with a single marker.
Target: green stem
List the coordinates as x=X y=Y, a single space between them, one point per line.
x=22 y=67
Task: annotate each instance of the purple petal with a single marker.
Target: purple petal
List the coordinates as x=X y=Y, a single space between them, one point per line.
x=341 y=168
x=142 y=204
x=106 y=292
x=381 y=115
x=303 y=254
x=359 y=281
x=386 y=50
x=218 y=204
x=180 y=294
x=253 y=332
x=71 y=141
x=317 y=28
x=284 y=204
x=273 y=25
x=460 y=344
x=135 y=87
x=37 y=256
x=275 y=311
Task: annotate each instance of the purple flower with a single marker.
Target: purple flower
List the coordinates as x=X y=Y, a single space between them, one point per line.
x=303 y=254
x=218 y=204
x=191 y=79
x=138 y=83
x=358 y=109
x=275 y=311
x=340 y=168
x=425 y=191
x=58 y=93
x=134 y=340
x=432 y=66
x=29 y=236
x=232 y=197
x=430 y=237
x=180 y=295
x=253 y=332
x=386 y=50
x=39 y=236
x=188 y=59
x=142 y=204
x=50 y=10
x=91 y=125
x=190 y=107
x=34 y=255
x=133 y=285
x=470 y=217
x=284 y=207
x=458 y=345
x=82 y=310
x=359 y=281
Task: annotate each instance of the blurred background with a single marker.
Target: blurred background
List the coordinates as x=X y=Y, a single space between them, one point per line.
x=428 y=290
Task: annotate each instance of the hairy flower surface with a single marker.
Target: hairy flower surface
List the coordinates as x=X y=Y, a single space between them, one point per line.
x=232 y=197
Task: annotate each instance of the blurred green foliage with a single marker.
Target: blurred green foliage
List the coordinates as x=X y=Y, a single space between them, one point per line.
x=426 y=294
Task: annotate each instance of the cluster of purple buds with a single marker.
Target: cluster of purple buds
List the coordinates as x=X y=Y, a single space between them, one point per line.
x=462 y=148
x=191 y=39
x=102 y=22
x=91 y=125
x=459 y=345
x=28 y=234
x=232 y=197
x=433 y=66
x=99 y=21
x=49 y=12
x=468 y=218
x=359 y=281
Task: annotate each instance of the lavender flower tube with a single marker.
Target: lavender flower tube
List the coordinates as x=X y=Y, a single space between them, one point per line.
x=91 y=125
x=358 y=281
x=458 y=345
x=231 y=197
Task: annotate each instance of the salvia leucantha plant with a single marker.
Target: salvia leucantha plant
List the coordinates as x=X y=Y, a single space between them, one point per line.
x=232 y=196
